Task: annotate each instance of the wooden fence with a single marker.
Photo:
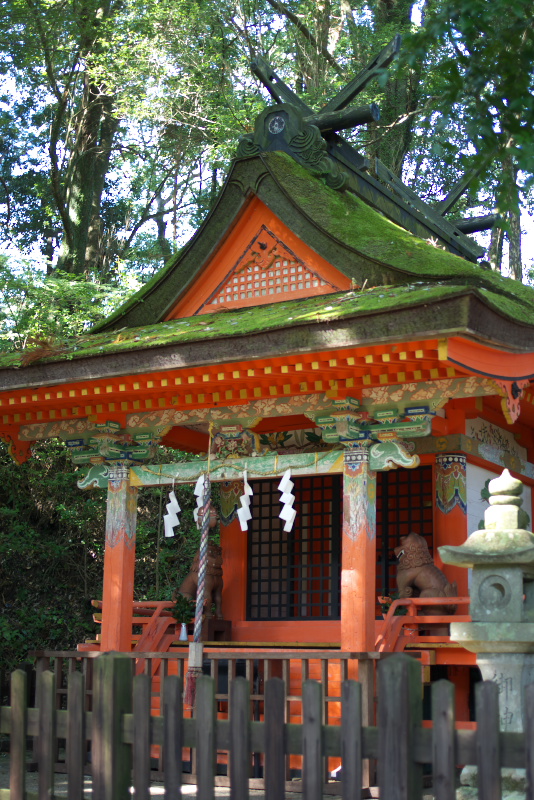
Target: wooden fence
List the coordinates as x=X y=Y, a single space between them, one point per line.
x=258 y=665
x=121 y=732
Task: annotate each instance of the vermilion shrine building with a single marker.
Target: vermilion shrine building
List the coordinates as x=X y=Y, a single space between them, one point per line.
x=325 y=319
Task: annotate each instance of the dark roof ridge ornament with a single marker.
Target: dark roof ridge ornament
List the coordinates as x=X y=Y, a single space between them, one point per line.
x=312 y=139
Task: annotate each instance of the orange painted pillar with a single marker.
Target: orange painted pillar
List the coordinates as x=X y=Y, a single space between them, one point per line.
x=119 y=562
x=450 y=516
x=358 y=553
x=234 y=551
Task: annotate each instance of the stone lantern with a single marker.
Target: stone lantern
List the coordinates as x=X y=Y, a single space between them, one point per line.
x=501 y=633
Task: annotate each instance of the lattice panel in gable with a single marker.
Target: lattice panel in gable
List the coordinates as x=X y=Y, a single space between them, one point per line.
x=267 y=271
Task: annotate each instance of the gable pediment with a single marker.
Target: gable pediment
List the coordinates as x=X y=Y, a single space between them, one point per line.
x=260 y=262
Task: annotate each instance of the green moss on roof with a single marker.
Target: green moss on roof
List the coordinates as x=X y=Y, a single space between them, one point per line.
x=283 y=314
x=357 y=225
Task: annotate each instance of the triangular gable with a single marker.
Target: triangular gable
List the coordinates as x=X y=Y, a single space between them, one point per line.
x=261 y=261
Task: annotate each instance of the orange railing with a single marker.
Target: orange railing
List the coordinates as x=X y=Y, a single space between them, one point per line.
x=399 y=631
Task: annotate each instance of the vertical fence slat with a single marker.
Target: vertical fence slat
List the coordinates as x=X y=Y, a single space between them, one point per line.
x=76 y=737
x=529 y=740
x=487 y=742
x=18 y=725
x=172 y=737
x=142 y=685
x=47 y=735
x=351 y=739
x=443 y=741
x=274 y=768
x=312 y=749
x=205 y=738
x=112 y=759
x=399 y=712
x=239 y=739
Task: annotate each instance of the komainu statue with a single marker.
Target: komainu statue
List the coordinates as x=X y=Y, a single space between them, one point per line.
x=214 y=581
x=418 y=576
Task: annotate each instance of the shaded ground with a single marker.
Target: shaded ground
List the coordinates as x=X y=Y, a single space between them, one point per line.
x=156 y=789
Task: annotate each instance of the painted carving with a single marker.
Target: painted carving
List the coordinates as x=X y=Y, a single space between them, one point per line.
x=392 y=454
x=418 y=576
x=511 y=392
x=121 y=511
x=494 y=439
x=359 y=495
x=230 y=492
x=95 y=478
x=214 y=581
x=231 y=441
x=451 y=484
x=20 y=451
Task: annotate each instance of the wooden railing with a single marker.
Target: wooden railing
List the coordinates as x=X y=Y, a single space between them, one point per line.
x=122 y=733
x=414 y=627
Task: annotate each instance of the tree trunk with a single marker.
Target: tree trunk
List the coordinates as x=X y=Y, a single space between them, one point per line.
x=514 y=239
x=495 y=248
x=390 y=138
x=88 y=165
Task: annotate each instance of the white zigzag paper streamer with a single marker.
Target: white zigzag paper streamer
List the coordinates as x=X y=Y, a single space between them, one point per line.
x=243 y=513
x=171 y=517
x=199 y=493
x=288 y=513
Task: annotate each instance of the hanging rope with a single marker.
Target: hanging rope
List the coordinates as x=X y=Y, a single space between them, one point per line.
x=203 y=560
x=194 y=669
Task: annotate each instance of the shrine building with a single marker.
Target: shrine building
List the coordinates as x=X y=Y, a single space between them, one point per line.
x=322 y=320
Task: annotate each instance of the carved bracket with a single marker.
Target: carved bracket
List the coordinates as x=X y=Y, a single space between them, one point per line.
x=20 y=451
x=511 y=392
x=390 y=455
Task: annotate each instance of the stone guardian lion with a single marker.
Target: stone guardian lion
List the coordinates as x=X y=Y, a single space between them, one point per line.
x=418 y=576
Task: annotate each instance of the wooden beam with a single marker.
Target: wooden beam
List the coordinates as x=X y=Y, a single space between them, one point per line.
x=337 y=121
x=410 y=197
x=269 y=466
x=357 y=84
x=474 y=224
x=461 y=186
x=279 y=91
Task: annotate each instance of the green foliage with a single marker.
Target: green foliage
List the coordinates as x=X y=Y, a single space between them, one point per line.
x=34 y=306
x=52 y=551
x=479 y=56
x=184 y=609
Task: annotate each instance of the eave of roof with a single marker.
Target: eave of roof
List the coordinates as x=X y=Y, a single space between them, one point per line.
x=345 y=319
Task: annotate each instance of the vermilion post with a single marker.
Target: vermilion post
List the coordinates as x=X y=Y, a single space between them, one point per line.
x=119 y=562
x=358 y=553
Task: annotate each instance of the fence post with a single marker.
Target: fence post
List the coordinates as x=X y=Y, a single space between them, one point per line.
x=206 y=738
x=351 y=739
x=312 y=741
x=141 y=736
x=17 y=739
x=239 y=739
x=399 y=714
x=529 y=738
x=112 y=759
x=172 y=736
x=275 y=739
x=76 y=739
x=47 y=744
x=487 y=747
x=443 y=741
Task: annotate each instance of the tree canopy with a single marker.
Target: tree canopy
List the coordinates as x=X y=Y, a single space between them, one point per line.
x=118 y=119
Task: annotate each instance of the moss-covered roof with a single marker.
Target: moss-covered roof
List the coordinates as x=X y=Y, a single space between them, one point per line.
x=276 y=316
x=355 y=238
